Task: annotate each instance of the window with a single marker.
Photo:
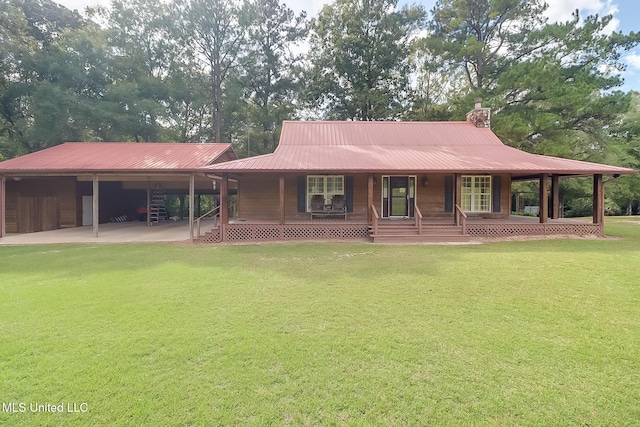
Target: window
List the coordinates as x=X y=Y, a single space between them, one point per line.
x=476 y=193
x=325 y=185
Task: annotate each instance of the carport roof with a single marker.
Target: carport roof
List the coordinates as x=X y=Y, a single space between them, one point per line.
x=419 y=147
x=95 y=157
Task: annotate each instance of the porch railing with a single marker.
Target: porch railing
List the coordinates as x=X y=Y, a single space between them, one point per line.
x=461 y=219
x=374 y=219
x=418 y=218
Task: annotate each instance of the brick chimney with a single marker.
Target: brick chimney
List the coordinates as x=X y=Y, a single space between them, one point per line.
x=480 y=117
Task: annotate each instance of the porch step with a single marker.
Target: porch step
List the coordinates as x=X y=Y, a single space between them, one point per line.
x=208 y=236
x=410 y=234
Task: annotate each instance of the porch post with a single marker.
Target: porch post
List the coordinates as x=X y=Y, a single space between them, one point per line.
x=3 y=205
x=96 y=204
x=281 y=198
x=192 y=190
x=149 y=203
x=555 y=197
x=598 y=199
x=224 y=206
x=457 y=199
x=544 y=199
x=369 y=198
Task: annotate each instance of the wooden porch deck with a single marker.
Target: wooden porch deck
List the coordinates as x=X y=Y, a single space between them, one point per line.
x=396 y=230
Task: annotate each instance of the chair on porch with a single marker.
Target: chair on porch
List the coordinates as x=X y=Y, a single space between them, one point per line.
x=317 y=204
x=339 y=205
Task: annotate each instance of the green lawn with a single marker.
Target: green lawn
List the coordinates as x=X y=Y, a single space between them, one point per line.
x=513 y=333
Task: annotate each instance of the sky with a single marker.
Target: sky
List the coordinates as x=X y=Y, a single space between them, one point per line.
x=625 y=19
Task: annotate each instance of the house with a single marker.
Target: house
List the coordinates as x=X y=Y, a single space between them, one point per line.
x=388 y=181
x=396 y=182
x=88 y=183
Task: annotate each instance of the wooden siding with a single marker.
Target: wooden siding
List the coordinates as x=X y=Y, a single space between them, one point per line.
x=11 y=209
x=430 y=198
x=258 y=197
x=40 y=204
x=37 y=213
x=2 y=205
x=225 y=157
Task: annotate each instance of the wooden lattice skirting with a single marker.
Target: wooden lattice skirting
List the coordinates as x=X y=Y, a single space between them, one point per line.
x=284 y=232
x=278 y=232
x=516 y=230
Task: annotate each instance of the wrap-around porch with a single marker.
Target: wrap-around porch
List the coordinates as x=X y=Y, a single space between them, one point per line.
x=436 y=230
x=367 y=223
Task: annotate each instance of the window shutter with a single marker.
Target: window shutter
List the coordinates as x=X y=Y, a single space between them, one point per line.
x=302 y=193
x=348 y=189
x=495 y=193
x=448 y=193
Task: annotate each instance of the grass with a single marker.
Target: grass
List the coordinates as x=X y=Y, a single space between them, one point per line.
x=513 y=333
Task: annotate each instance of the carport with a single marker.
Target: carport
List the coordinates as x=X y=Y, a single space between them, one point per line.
x=89 y=183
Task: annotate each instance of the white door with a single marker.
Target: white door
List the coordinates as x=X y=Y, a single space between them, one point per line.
x=87 y=210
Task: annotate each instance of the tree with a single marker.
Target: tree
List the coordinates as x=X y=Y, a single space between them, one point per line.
x=551 y=86
x=188 y=105
x=15 y=50
x=143 y=52
x=483 y=37
x=143 y=36
x=47 y=19
x=270 y=73
x=31 y=102
x=216 y=31
x=360 y=59
x=435 y=88
x=626 y=149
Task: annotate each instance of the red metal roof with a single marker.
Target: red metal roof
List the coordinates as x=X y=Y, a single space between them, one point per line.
x=72 y=157
x=444 y=147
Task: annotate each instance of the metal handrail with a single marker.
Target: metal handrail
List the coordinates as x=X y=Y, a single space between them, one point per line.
x=374 y=218
x=418 y=218
x=461 y=219
x=216 y=208
x=215 y=217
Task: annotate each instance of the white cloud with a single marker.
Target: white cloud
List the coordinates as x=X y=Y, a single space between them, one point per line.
x=311 y=7
x=633 y=61
x=80 y=5
x=561 y=10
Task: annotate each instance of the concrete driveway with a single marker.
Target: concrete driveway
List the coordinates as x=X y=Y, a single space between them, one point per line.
x=119 y=232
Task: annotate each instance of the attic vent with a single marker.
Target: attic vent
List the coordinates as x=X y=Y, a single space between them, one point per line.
x=480 y=117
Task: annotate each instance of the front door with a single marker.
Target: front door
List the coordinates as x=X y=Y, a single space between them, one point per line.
x=398 y=196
